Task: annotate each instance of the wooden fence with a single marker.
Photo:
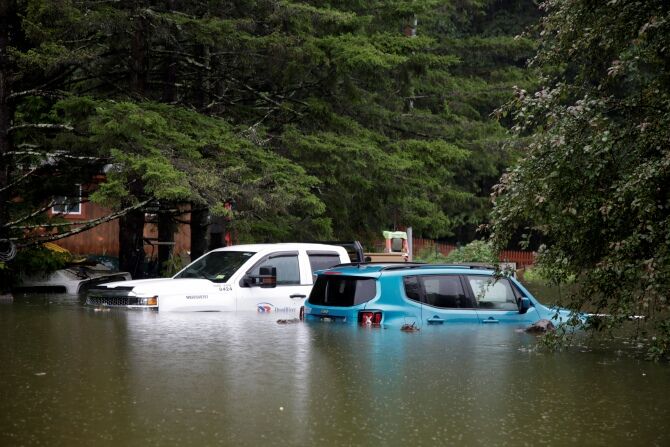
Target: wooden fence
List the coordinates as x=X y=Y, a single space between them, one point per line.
x=522 y=258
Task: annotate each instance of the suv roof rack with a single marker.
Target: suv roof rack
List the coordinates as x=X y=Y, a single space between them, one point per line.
x=383 y=264
x=413 y=265
x=471 y=266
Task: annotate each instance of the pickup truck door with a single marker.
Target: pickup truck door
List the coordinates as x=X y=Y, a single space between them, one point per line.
x=293 y=285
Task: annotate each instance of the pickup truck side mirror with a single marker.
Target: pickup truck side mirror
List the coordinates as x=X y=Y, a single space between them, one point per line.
x=267 y=277
x=524 y=305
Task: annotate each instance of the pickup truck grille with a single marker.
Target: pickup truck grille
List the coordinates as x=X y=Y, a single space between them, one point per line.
x=94 y=300
x=118 y=296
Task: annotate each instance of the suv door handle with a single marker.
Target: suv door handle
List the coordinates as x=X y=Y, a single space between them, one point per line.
x=297 y=295
x=435 y=320
x=490 y=320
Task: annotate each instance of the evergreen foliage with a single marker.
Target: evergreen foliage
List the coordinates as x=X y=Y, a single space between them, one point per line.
x=594 y=176
x=489 y=41
x=318 y=119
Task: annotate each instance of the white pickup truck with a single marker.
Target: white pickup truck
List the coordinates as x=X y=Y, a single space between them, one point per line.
x=259 y=277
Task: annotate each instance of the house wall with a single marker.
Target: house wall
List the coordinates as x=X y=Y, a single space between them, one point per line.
x=104 y=238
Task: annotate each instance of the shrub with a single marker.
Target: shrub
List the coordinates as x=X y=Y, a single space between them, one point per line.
x=475 y=251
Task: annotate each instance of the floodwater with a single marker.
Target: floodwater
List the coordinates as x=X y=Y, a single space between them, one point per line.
x=71 y=375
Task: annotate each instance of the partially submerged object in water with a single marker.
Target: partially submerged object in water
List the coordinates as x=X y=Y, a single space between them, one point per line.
x=288 y=321
x=540 y=327
x=409 y=327
x=71 y=280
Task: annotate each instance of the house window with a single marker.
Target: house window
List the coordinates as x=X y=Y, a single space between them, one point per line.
x=68 y=204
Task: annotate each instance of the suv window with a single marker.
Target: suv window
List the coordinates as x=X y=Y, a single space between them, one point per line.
x=493 y=294
x=321 y=260
x=342 y=291
x=288 y=269
x=445 y=291
x=412 y=288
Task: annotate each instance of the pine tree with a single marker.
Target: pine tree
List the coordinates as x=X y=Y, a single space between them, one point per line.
x=318 y=120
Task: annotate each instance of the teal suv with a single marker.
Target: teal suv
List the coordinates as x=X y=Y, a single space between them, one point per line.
x=423 y=294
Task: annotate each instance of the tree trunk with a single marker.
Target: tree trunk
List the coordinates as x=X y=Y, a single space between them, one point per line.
x=131 y=243
x=5 y=113
x=138 y=53
x=202 y=94
x=169 y=80
x=131 y=226
x=217 y=231
x=170 y=76
x=219 y=63
x=166 y=224
x=166 y=229
x=199 y=242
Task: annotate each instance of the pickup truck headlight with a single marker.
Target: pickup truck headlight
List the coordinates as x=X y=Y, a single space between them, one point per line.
x=148 y=301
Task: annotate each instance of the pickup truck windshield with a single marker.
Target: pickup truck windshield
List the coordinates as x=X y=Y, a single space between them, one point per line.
x=217 y=266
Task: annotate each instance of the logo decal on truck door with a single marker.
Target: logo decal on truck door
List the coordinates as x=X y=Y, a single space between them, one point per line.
x=266 y=308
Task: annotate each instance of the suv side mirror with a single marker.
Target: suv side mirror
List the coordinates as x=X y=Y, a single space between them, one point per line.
x=267 y=277
x=524 y=305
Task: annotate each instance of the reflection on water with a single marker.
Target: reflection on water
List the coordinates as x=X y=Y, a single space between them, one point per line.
x=74 y=376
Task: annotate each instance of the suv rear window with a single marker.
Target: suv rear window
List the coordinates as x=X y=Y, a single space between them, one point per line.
x=342 y=291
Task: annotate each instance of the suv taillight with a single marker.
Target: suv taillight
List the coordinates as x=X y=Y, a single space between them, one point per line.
x=370 y=318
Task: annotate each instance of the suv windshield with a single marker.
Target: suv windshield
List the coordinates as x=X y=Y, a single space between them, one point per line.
x=217 y=266
x=342 y=291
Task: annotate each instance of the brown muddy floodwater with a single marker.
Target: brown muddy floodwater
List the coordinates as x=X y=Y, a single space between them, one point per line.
x=73 y=376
